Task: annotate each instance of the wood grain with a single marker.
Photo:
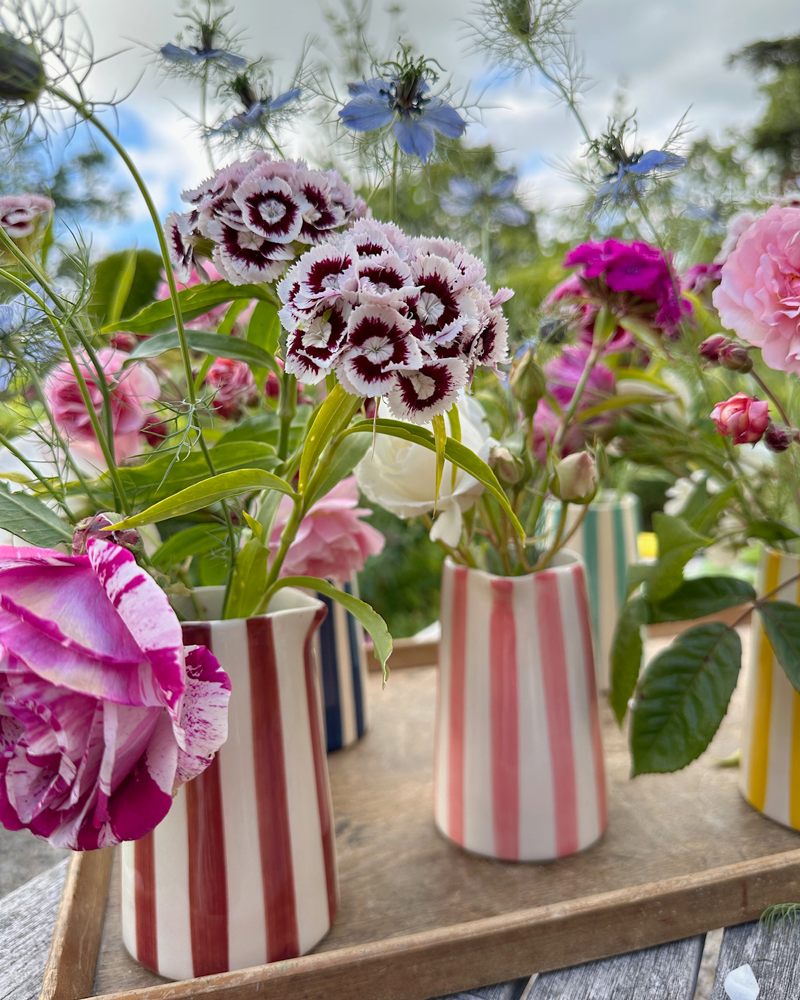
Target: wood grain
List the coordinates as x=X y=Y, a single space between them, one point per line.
x=773 y=955
x=71 y=965
x=501 y=991
x=653 y=974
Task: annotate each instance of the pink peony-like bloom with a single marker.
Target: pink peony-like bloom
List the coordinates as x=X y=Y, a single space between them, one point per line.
x=759 y=295
x=332 y=542
x=634 y=279
x=742 y=418
x=130 y=388
x=20 y=214
x=103 y=711
x=234 y=387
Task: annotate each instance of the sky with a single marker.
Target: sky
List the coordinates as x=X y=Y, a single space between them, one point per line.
x=668 y=55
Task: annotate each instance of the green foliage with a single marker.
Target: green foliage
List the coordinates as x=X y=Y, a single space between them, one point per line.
x=677 y=543
x=626 y=654
x=249 y=580
x=109 y=281
x=781 y=621
x=215 y=344
x=31 y=520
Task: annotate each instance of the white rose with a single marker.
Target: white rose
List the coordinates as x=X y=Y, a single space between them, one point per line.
x=401 y=476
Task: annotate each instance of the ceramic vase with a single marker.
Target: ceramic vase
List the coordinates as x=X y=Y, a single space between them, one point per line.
x=769 y=777
x=242 y=870
x=607 y=543
x=518 y=754
x=343 y=664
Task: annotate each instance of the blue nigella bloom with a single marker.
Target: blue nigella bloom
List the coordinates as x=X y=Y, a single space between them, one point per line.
x=402 y=100
x=630 y=178
x=258 y=113
x=198 y=54
x=466 y=197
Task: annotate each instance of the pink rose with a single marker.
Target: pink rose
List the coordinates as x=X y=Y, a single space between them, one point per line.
x=759 y=295
x=103 y=711
x=332 y=542
x=130 y=387
x=742 y=418
x=20 y=213
x=234 y=387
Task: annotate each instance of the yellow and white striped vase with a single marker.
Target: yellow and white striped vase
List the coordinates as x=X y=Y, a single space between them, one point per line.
x=770 y=770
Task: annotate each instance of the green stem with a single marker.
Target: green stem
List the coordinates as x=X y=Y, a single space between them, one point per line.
x=204 y=116
x=393 y=187
x=287 y=408
x=486 y=249
x=547 y=556
x=565 y=94
x=777 y=403
x=566 y=420
x=287 y=537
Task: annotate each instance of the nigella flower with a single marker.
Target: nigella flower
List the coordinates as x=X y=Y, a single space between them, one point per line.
x=258 y=109
x=196 y=54
x=402 y=100
x=629 y=180
x=211 y=45
x=496 y=201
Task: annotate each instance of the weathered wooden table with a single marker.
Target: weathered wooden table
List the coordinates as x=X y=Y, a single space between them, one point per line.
x=669 y=972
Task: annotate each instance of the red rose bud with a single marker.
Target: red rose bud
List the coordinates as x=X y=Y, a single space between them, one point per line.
x=154 y=430
x=736 y=358
x=710 y=348
x=779 y=437
x=742 y=418
x=96 y=527
x=124 y=341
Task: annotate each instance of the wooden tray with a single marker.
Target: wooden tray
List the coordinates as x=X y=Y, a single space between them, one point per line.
x=420 y=918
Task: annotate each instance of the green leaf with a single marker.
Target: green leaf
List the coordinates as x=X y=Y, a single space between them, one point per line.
x=249 y=580
x=626 y=655
x=781 y=621
x=213 y=489
x=683 y=697
x=332 y=417
x=257 y=427
x=195 y=301
x=620 y=401
x=638 y=574
x=771 y=531
x=705 y=518
x=216 y=344
x=199 y=540
x=677 y=543
x=455 y=452
x=123 y=282
x=31 y=520
x=345 y=458
x=108 y=281
x=370 y=619
x=264 y=327
x=440 y=441
x=705 y=595
x=231 y=315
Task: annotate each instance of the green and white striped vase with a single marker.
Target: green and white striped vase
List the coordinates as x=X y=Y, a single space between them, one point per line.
x=607 y=541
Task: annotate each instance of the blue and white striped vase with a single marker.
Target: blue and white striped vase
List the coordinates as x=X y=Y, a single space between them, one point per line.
x=607 y=541
x=343 y=668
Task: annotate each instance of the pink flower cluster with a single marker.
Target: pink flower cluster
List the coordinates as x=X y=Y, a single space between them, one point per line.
x=633 y=279
x=333 y=541
x=405 y=319
x=20 y=213
x=251 y=217
x=759 y=295
x=103 y=710
x=233 y=385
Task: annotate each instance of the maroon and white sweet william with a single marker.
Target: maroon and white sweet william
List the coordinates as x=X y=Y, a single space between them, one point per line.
x=103 y=710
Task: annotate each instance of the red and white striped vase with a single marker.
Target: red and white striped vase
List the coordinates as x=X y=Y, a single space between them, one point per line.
x=519 y=759
x=242 y=870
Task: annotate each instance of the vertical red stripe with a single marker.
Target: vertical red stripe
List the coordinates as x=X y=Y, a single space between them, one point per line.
x=559 y=724
x=458 y=660
x=321 y=768
x=504 y=720
x=272 y=803
x=144 y=883
x=584 y=616
x=208 y=880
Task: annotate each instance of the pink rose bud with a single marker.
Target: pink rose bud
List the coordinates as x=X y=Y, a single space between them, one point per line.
x=710 y=348
x=124 y=341
x=736 y=358
x=779 y=437
x=154 y=430
x=96 y=527
x=742 y=418
x=576 y=478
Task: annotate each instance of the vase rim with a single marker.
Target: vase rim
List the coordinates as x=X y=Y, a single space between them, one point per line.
x=564 y=561
x=604 y=500
x=290 y=600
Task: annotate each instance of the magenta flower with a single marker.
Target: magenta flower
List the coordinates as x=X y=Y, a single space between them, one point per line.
x=233 y=385
x=130 y=388
x=103 y=711
x=759 y=295
x=333 y=541
x=633 y=279
x=570 y=301
x=20 y=214
x=742 y=418
x=700 y=276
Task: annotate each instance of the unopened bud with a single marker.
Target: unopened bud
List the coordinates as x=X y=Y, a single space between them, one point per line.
x=154 y=430
x=736 y=358
x=519 y=16
x=528 y=383
x=779 y=437
x=508 y=468
x=122 y=341
x=21 y=72
x=96 y=527
x=575 y=479
x=710 y=348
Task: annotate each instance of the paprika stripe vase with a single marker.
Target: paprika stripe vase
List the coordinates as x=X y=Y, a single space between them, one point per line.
x=770 y=772
x=340 y=653
x=518 y=754
x=607 y=542
x=242 y=870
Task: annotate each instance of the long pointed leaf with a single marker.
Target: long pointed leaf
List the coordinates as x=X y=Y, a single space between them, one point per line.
x=218 y=345
x=249 y=580
x=31 y=520
x=335 y=413
x=440 y=440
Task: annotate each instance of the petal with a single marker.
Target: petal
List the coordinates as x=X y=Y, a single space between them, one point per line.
x=204 y=715
x=415 y=138
x=444 y=118
x=447 y=526
x=285 y=98
x=366 y=112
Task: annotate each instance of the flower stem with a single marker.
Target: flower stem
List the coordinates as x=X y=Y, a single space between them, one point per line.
x=568 y=99
x=777 y=403
x=393 y=187
x=287 y=408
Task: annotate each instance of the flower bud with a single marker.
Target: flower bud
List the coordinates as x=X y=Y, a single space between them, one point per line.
x=575 y=479
x=154 y=430
x=21 y=72
x=95 y=527
x=742 y=418
x=736 y=358
x=710 y=348
x=122 y=341
x=518 y=15
x=508 y=467
x=779 y=437
x=528 y=383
